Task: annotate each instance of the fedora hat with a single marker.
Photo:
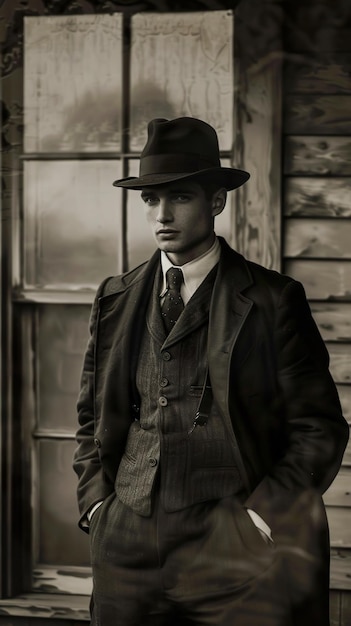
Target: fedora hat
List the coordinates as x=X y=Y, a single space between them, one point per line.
x=183 y=148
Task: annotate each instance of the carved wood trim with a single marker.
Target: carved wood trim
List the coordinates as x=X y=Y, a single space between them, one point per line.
x=12 y=13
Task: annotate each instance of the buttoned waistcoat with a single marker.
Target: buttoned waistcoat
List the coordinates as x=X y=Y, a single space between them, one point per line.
x=196 y=464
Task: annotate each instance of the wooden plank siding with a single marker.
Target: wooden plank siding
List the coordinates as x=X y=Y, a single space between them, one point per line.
x=340 y=362
x=318 y=156
x=318 y=114
x=347 y=456
x=322 y=238
x=315 y=75
x=323 y=279
x=318 y=197
x=316 y=225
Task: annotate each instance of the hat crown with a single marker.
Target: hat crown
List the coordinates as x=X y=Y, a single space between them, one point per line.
x=183 y=144
x=184 y=148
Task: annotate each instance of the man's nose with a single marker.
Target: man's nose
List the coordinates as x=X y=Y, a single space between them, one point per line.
x=164 y=213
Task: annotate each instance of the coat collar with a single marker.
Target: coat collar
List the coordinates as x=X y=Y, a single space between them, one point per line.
x=233 y=267
x=228 y=313
x=140 y=275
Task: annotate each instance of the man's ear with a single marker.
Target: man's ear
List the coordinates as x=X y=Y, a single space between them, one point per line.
x=219 y=200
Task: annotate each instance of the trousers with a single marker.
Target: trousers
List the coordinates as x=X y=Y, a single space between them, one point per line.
x=204 y=565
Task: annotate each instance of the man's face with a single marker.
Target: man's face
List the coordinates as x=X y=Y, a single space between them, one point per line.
x=181 y=219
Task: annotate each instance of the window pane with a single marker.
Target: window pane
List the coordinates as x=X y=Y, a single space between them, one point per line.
x=62 y=339
x=182 y=64
x=72 y=223
x=59 y=539
x=72 y=83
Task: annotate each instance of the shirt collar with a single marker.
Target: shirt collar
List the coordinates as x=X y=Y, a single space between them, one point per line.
x=194 y=272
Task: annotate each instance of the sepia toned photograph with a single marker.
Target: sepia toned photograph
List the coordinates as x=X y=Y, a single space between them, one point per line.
x=175 y=313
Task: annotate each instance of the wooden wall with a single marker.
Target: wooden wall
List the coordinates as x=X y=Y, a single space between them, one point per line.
x=316 y=224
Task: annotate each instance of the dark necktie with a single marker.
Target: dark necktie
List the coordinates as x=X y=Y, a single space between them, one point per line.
x=173 y=304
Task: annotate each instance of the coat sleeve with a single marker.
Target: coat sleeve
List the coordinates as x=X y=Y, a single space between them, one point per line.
x=316 y=432
x=93 y=485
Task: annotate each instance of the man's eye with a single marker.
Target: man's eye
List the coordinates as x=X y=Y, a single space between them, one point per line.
x=150 y=200
x=181 y=198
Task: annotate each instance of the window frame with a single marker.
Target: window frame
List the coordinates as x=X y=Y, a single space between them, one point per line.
x=16 y=537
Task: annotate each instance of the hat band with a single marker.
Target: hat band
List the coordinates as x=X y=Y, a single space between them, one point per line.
x=172 y=163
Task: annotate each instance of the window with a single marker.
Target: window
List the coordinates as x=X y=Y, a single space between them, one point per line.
x=91 y=83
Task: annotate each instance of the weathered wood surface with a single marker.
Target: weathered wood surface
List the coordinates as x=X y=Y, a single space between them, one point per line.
x=333 y=320
x=337 y=38
x=258 y=128
x=347 y=455
x=317 y=238
x=318 y=197
x=258 y=203
x=182 y=64
x=340 y=361
x=345 y=613
x=318 y=27
x=322 y=279
x=340 y=577
x=339 y=519
x=48 y=607
x=339 y=493
x=321 y=41
x=321 y=155
x=344 y=392
x=73 y=83
x=318 y=114
x=335 y=607
x=311 y=75
x=61 y=580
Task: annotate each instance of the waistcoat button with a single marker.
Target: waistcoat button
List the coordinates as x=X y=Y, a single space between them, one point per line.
x=166 y=356
x=163 y=401
x=153 y=462
x=164 y=382
x=97 y=442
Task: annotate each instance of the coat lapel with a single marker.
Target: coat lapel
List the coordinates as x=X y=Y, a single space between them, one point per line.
x=121 y=320
x=228 y=313
x=195 y=313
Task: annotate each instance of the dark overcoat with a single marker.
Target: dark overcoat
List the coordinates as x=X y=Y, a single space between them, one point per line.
x=269 y=374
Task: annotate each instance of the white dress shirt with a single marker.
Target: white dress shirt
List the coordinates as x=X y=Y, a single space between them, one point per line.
x=194 y=272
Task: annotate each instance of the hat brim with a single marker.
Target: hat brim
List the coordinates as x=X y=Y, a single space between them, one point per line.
x=227 y=177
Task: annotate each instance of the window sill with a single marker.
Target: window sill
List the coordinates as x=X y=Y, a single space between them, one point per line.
x=50 y=606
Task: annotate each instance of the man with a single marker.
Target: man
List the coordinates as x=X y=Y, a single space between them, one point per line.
x=209 y=423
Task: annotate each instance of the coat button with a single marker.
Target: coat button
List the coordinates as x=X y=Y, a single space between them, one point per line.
x=153 y=461
x=97 y=442
x=166 y=356
x=163 y=401
x=164 y=382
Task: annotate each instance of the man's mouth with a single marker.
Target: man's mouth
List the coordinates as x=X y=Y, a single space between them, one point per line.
x=166 y=231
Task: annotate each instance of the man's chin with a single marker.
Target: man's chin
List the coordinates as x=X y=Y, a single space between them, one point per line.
x=169 y=246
